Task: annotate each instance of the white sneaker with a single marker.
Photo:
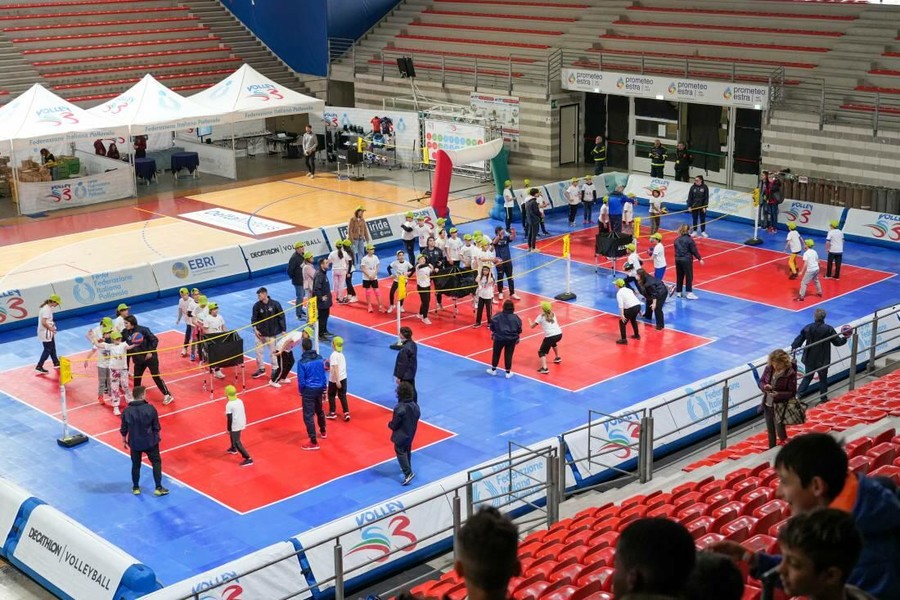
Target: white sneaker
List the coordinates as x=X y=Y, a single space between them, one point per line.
x=390 y=309
x=274 y=384
x=116 y=411
x=490 y=371
x=184 y=353
x=168 y=399
x=693 y=234
x=353 y=299
x=704 y=234
x=509 y=375
x=219 y=374
x=494 y=301
x=516 y=297
x=402 y=310
x=427 y=321
x=691 y=296
x=286 y=380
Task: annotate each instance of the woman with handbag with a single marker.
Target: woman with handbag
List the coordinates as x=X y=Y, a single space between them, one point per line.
x=779 y=386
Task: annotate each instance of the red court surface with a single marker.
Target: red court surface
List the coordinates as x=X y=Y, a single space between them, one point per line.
x=194 y=437
x=587 y=331
x=746 y=272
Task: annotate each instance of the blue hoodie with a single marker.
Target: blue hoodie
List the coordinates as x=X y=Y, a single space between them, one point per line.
x=617 y=202
x=877 y=515
x=311 y=372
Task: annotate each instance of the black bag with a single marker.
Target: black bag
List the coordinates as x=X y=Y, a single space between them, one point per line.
x=224 y=349
x=792 y=412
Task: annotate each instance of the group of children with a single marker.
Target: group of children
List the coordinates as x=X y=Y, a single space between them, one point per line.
x=808 y=271
x=585 y=195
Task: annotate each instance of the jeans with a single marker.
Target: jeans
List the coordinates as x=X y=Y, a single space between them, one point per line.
x=312 y=407
x=155 y=462
x=188 y=336
x=803 y=386
x=615 y=223
x=424 y=299
x=300 y=294
x=404 y=457
x=588 y=210
x=310 y=160
x=102 y=380
x=508 y=348
x=508 y=215
x=505 y=273
x=684 y=274
x=261 y=345
x=772 y=214
x=49 y=352
x=773 y=427
x=834 y=258
x=141 y=364
x=573 y=212
x=237 y=445
x=359 y=249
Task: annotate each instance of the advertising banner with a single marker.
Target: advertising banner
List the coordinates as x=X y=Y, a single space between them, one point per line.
x=503 y=111
x=383 y=230
x=277 y=251
x=662 y=87
x=401 y=131
x=22 y=303
x=281 y=579
x=69 y=556
x=883 y=229
x=721 y=200
x=699 y=409
x=41 y=196
x=187 y=271
x=101 y=288
x=446 y=135
x=214 y=160
x=809 y=215
x=233 y=220
x=606 y=443
x=11 y=499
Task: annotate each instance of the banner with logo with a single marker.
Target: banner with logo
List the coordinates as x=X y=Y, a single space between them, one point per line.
x=69 y=556
x=699 y=409
x=448 y=135
x=662 y=87
x=383 y=230
x=277 y=251
x=243 y=223
x=214 y=160
x=721 y=200
x=809 y=215
x=370 y=534
x=22 y=303
x=402 y=131
x=208 y=266
x=11 y=499
x=497 y=484
x=42 y=196
x=883 y=229
x=101 y=288
x=503 y=111
x=278 y=580
x=885 y=341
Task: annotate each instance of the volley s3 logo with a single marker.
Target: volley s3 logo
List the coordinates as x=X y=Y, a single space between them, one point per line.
x=620 y=437
x=13 y=308
x=376 y=539
x=233 y=591
x=797 y=215
x=884 y=229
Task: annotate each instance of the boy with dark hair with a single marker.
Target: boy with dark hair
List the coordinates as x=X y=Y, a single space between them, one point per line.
x=654 y=558
x=820 y=550
x=812 y=471
x=311 y=382
x=487 y=554
x=715 y=577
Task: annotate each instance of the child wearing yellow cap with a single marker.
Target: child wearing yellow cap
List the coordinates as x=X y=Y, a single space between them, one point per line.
x=213 y=324
x=509 y=202
x=337 y=379
x=369 y=265
x=629 y=308
x=809 y=272
x=236 y=422
x=408 y=234
x=573 y=197
x=100 y=332
x=185 y=308
x=46 y=331
x=794 y=246
x=552 y=335
x=122 y=311
x=118 y=368
x=834 y=246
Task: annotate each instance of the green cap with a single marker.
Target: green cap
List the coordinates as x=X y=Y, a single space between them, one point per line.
x=346 y=243
x=507 y=182
x=213 y=306
x=546 y=306
x=55 y=298
x=115 y=335
x=656 y=236
x=453 y=230
x=810 y=243
x=307 y=254
x=792 y=226
x=631 y=247
x=338 y=343
x=298 y=245
x=201 y=300
x=231 y=391
x=370 y=246
x=619 y=283
x=119 y=308
x=410 y=215
x=467 y=236
x=308 y=331
x=835 y=224
x=195 y=291
x=183 y=291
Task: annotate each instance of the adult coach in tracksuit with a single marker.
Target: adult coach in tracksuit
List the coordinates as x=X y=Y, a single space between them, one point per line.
x=656 y=292
x=616 y=202
x=407 y=363
x=685 y=253
x=311 y=381
x=321 y=291
x=531 y=217
x=817 y=352
x=697 y=202
x=144 y=356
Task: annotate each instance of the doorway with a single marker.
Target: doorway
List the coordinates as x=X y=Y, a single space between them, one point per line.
x=568 y=133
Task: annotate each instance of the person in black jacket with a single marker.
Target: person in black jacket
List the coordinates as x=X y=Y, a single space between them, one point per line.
x=598 y=154
x=658 y=155
x=506 y=328
x=532 y=216
x=268 y=322
x=817 y=351
x=144 y=356
x=656 y=292
x=407 y=362
x=140 y=435
x=685 y=253
x=697 y=202
x=682 y=162
x=321 y=290
x=295 y=272
x=403 y=428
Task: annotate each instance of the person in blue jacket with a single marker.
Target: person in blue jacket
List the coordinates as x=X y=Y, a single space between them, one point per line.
x=616 y=202
x=312 y=382
x=403 y=426
x=813 y=473
x=506 y=328
x=407 y=362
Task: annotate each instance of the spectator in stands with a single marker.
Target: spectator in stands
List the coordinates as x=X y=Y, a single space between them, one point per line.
x=113 y=151
x=683 y=160
x=310 y=147
x=47 y=156
x=820 y=550
x=140 y=435
x=654 y=559
x=817 y=338
x=715 y=577
x=812 y=472
x=487 y=554
x=598 y=154
x=778 y=384
x=140 y=146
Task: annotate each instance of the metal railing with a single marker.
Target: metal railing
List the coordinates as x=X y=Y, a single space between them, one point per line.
x=831 y=104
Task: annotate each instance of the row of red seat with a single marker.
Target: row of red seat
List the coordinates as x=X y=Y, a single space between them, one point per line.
x=55 y=25
x=554 y=5
x=756 y=15
x=193 y=87
x=701 y=58
x=129 y=57
x=745 y=77
x=456 y=40
x=31 y=5
x=56 y=16
x=127 y=81
x=133 y=33
x=515 y=59
x=735 y=28
x=480 y=15
x=704 y=42
x=144 y=68
x=487 y=28
x=129 y=44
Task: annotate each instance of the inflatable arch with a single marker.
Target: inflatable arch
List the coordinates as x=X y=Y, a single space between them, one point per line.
x=443 y=169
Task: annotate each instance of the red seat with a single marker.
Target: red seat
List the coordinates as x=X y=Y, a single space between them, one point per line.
x=768 y=515
x=890 y=471
x=581 y=536
x=556 y=534
x=666 y=510
x=761 y=543
x=736 y=475
x=755 y=497
x=589 y=591
x=548 y=549
x=597 y=572
x=632 y=514
x=751 y=592
x=629 y=502
x=569 y=572
x=606 y=539
x=576 y=549
x=767 y=475
x=718 y=498
x=774 y=529
x=888 y=434
x=744 y=485
x=685 y=500
x=859 y=464
x=656 y=500
x=543 y=568
x=711 y=486
x=529 y=547
x=532 y=591
x=699 y=526
x=707 y=540
x=881 y=455
x=739 y=529
x=607 y=524
x=564 y=592
x=599 y=555
x=693 y=511
x=858 y=446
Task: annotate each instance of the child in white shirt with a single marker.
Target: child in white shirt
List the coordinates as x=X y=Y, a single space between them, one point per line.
x=793 y=245
x=552 y=335
x=588 y=197
x=186 y=306
x=99 y=334
x=236 y=422
x=423 y=231
x=810 y=271
x=573 y=197
x=656 y=210
x=834 y=246
x=214 y=323
x=452 y=247
x=118 y=369
x=340 y=263
x=484 y=291
x=423 y=286
x=337 y=379
x=369 y=267
x=397 y=269
x=658 y=254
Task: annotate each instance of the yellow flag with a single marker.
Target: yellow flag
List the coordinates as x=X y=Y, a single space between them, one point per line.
x=425 y=159
x=401 y=287
x=65 y=370
x=359 y=145
x=637 y=227
x=313 y=308
x=566 y=242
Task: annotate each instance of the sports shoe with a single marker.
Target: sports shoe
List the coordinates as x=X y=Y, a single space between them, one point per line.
x=402 y=310
x=390 y=309
x=286 y=380
x=691 y=296
x=637 y=337
x=352 y=300
x=232 y=451
x=509 y=374
x=706 y=235
x=116 y=411
x=309 y=446
x=693 y=234
x=543 y=371
x=494 y=301
x=160 y=491
x=41 y=370
x=246 y=462
x=218 y=374
x=274 y=384
x=258 y=373
x=370 y=308
x=557 y=360
x=408 y=478
x=323 y=435
x=331 y=416
x=136 y=491
x=427 y=321
x=476 y=325
x=658 y=327
x=490 y=371
x=346 y=417
x=100 y=399
x=168 y=399
x=799 y=299
x=516 y=297
x=183 y=353
x=622 y=341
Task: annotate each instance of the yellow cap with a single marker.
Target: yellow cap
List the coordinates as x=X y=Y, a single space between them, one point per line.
x=631 y=247
x=115 y=335
x=55 y=298
x=201 y=300
x=231 y=391
x=337 y=342
x=792 y=225
x=183 y=291
x=307 y=254
x=213 y=306
x=810 y=243
x=298 y=245
x=619 y=282
x=119 y=308
x=546 y=306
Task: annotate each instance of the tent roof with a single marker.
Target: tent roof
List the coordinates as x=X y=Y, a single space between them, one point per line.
x=149 y=106
x=39 y=116
x=247 y=94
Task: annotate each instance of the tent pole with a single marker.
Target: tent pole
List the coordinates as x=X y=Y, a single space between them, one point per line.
x=15 y=190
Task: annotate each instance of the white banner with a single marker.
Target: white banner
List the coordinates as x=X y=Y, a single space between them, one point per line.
x=496 y=484
x=607 y=443
x=11 y=499
x=883 y=228
x=36 y=197
x=384 y=230
x=215 y=160
x=885 y=341
x=446 y=135
x=663 y=87
x=503 y=111
x=403 y=131
x=188 y=271
x=809 y=215
x=699 y=409
x=556 y=193
x=730 y=202
x=721 y=200
x=233 y=220
x=70 y=556
x=279 y=580
x=277 y=251
x=100 y=288
x=23 y=303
